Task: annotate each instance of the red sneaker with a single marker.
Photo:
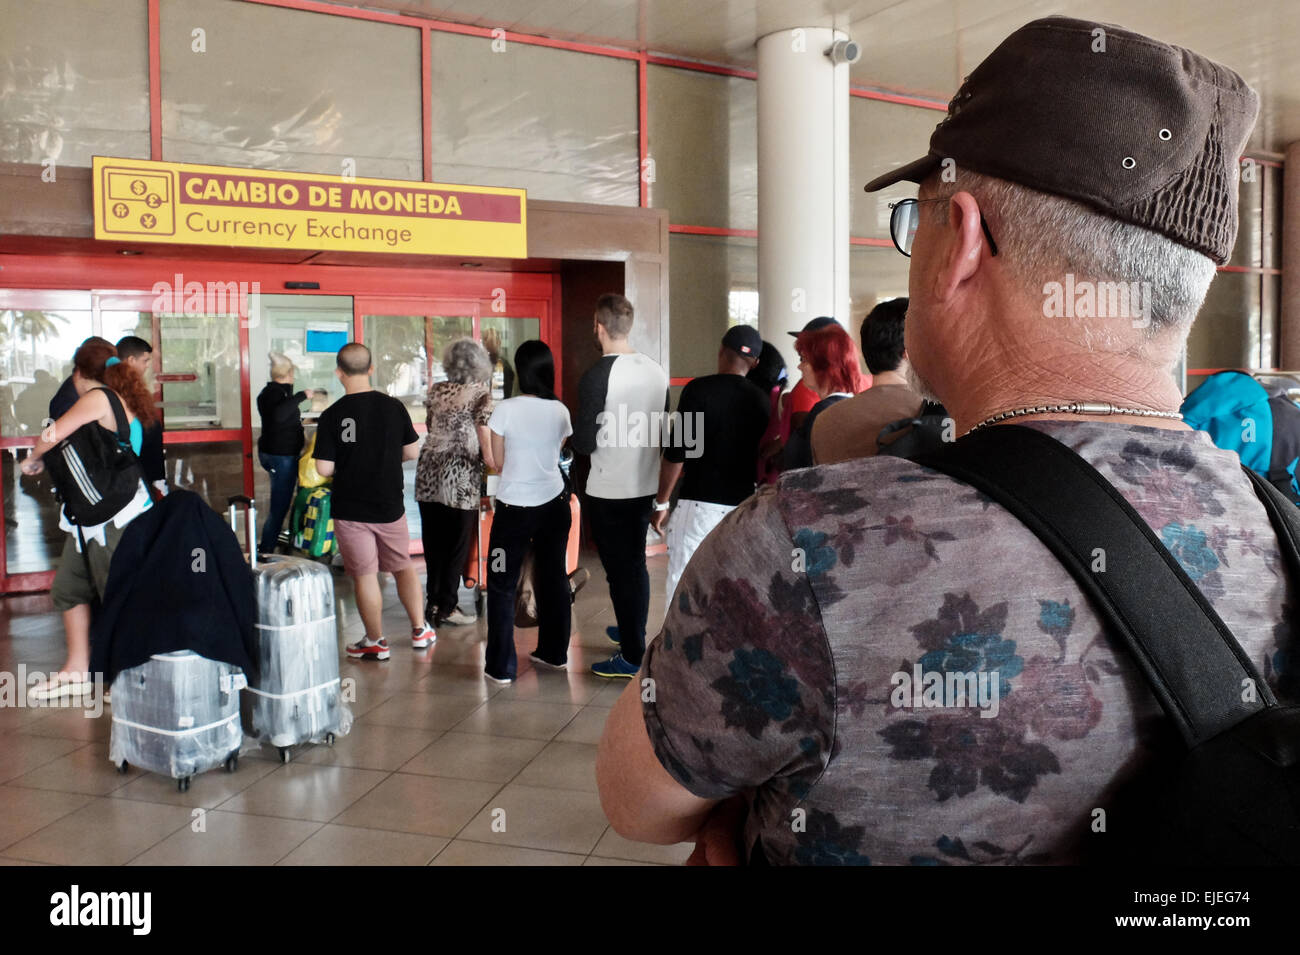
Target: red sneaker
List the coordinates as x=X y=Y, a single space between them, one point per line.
x=422 y=638
x=361 y=650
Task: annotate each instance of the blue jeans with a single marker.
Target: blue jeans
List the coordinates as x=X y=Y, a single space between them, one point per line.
x=283 y=469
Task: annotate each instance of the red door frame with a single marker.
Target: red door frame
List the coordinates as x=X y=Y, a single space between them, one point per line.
x=132 y=282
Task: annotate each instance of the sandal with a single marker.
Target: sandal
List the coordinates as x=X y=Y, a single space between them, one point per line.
x=63 y=684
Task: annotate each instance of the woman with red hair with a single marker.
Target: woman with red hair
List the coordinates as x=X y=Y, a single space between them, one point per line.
x=95 y=368
x=828 y=361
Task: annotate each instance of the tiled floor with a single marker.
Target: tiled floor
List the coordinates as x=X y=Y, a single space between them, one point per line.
x=441 y=767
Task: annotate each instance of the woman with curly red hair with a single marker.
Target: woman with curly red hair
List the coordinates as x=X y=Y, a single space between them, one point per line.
x=828 y=361
x=95 y=368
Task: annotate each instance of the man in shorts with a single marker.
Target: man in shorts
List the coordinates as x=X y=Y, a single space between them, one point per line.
x=361 y=441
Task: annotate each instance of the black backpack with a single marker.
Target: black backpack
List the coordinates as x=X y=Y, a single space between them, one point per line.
x=94 y=471
x=927 y=431
x=1228 y=793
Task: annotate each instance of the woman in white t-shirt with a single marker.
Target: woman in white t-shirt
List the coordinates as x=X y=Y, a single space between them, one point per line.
x=532 y=510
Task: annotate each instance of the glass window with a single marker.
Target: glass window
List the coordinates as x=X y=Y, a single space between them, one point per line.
x=703 y=133
x=284 y=323
x=875 y=275
x=33 y=541
x=1272 y=199
x=286 y=89
x=501 y=336
x=1250 y=222
x=713 y=285
x=883 y=136
x=396 y=344
x=116 y=325
x=561 y=125
x=74 y=80
x=36 y=349
x=203 y=352
x=1226 y=333
x=212 y=469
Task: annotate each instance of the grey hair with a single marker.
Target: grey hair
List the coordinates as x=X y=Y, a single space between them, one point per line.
x=1042 y=237
x=466 y=361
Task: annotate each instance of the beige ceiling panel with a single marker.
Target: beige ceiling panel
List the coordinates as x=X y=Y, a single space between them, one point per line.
x=921 y=47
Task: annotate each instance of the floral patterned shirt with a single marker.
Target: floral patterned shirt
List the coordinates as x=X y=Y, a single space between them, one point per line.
x=450 y=468
x=784 y=667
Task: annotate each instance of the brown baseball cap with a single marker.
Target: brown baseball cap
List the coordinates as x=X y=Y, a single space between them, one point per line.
x=1148 y=133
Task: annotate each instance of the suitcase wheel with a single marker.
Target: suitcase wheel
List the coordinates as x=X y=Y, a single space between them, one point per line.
x=329 y=739
x=284 y=754
x=122 y=767
x=232 y=762
x=183 y=784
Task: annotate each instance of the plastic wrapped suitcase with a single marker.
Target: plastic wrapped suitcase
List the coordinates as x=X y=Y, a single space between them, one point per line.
x=177 y=714
x=297 y=696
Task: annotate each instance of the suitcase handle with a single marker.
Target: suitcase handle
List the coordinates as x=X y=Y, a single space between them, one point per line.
x=250 y=524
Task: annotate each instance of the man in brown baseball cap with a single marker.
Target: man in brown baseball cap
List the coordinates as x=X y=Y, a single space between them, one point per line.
x=1072 y=207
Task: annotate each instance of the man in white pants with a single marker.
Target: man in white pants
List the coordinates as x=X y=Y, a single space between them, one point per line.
x=713 y=448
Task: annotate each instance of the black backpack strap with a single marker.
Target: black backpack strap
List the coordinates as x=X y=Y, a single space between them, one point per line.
x=1284 y=516
x=123 y=426
x=1187 y=654
x=891 y=429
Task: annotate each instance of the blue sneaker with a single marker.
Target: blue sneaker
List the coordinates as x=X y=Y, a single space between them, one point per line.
x=612 y=634
x=615 y=668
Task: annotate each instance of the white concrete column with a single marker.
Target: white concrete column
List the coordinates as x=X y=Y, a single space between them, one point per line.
x=803 y=184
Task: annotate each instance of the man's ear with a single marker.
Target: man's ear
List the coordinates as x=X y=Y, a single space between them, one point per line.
x=964 y=247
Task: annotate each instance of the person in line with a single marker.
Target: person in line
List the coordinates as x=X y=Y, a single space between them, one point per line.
x=723 y=417
x=773 y=678
x=771 y=376
x=619 y=399
x=851 y=428
x=279 y=445
x=138 y=353
x=449 y=475
x=81 y=577
x=828 y=362
x=67 y=395
x=361 y=441
x=532 y=511
x=803 y=396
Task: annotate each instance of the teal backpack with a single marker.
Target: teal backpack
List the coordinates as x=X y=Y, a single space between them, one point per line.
x=1256 y=419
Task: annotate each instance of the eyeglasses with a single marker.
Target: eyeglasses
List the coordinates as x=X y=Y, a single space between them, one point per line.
x=905 y=219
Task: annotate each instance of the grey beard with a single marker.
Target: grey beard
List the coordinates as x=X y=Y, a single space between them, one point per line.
x=919 y=384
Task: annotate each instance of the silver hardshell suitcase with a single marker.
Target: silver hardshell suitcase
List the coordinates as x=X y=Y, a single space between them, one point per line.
x=177 y=714
x=297 y=695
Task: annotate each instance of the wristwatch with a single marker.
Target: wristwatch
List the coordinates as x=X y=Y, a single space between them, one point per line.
x=661 y=506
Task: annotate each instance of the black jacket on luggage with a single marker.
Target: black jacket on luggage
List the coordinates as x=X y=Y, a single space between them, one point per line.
x=178 y=581
x=281 y=420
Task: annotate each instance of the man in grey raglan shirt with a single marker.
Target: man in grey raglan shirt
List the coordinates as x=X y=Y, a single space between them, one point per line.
x=620 y=402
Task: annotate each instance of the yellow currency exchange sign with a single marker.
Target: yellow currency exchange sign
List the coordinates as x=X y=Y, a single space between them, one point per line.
x=139 y=200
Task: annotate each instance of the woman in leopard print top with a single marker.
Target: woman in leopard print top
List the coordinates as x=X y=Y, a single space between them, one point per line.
x=449 y=474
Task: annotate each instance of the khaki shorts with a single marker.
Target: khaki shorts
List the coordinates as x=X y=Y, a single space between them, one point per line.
x=72 y=586
x=370 y=548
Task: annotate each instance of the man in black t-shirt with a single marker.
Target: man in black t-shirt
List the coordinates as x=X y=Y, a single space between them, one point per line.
x=361 y=441
x=717 y=427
